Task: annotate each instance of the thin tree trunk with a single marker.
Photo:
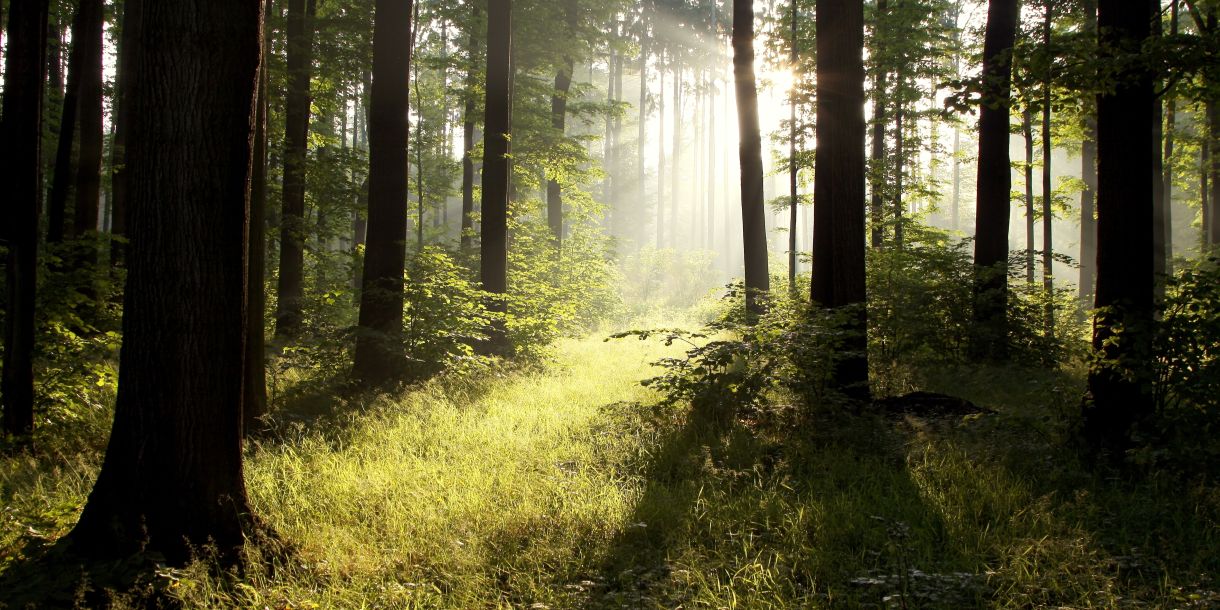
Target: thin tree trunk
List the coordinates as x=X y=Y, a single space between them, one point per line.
x=1048 y=195
x=493 y=263
x=661 y=154
x=877 y=169
x=642 y=133
x=1088 y=172
x=172 y=481
x=254 y=402
x=1158 y=172
x=1171 y=113
x=753 y=211
x=291 y=285
x=58 y=227
x=378 y=359
x=675 y=176
x=89 y=163
x=419 y=135
x=20 y=172
x=468 y=122
x=990 y=340
x=122 y=118
x=559 y=111
x=1027 y=130
x=899 y=160
x=794 y=57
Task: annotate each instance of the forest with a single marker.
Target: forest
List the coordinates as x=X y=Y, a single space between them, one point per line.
x=551 y=304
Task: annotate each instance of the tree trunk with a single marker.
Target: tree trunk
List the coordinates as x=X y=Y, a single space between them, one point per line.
x=89 y=163
x=254 y=400
x=675 y=175
x=379 y=358
x=1088 y=172
x=642 y=134
x=990 y=338
x=753 y=211
x=493 y=264
x=1119 y=395
x=1171 y=113
x=468 y=121
x=1048 y=195
x=900 y=161
x=58 y=227
x=20 y=172
x=559 y=111
x=838 y=225
x=291 y=286
x=792 y=165
x=172 y=477
x=122 y=117
x=1027 y=130
x=661 y=154
x=877 y=169
x=1158 y=171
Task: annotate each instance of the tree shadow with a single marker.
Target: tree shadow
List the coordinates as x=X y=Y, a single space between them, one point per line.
x=771 y=508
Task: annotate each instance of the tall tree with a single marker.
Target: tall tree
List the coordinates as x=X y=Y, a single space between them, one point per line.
x=469 y=116
x=793 y=201
x=753 y=213
x=379 y=359
x=291 y=287
x=559 y=111
x=1088 y=172
x=89 y=163
x=1048 y=193
x=61 y=181
x=172 y=475
x=877 y=169
x=122 y=118
x=990 y=338
x=254 y=401
x=838 y=225
x=497 y=147
x=1119 y=396
x=20 y=165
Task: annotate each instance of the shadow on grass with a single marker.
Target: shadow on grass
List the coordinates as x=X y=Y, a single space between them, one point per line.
x=783 y=514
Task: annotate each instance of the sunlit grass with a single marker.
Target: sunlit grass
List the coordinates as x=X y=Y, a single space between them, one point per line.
x=559 y=487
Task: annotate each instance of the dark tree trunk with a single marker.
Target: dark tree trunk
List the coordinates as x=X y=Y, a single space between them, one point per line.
x=753 y=212
x=61 y=181
x=994 y=182
x=559 y=111
x=1088 y=172
x=20 y=172
x=254 y=402
x=1213 y=112
x=1159 y=202
x=379 y=358
x=172 y=477
x=468 y=122
x=1048 y=195
x=1118 y=395
x=89 y=164
x=1027 y=131
x=839 y=177
x=493 y=264
x=794 y=57
x=877 y=169
x=291 y=286
x=1171 y=113
x=122 y=118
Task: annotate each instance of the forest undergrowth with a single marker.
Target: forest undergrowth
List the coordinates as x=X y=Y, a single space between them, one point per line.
x=571 y=486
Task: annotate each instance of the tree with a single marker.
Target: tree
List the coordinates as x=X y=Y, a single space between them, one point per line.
x=469 y=116
x=1088 y=171
x=254 y=401
x=839 y=177
x=379 y=359
x=172 y=475
x=1119 y=396
x=497 y=146
x=291 y=288
x=89 y=161
x=61 y=181
x=990 y=338
x=754 y=230
x=21 y=132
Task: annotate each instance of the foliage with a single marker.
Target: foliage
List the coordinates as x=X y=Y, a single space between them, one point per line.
x=446 y=314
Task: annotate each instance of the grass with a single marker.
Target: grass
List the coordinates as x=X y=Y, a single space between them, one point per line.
x=562 y=488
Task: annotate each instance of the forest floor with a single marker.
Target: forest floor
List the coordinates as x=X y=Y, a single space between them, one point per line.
x=563 y=487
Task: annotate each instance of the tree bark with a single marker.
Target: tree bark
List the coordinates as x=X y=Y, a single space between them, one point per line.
x=58 y=227
x=1048 y=195
x=89 y=162
x=291 y=286
x=839 y=178
x=661 y=154
x=122 y=118
x=1171 y=114
x=493 y=268
x=20 y=172
x=990 y=340
x=877 y=169
x=793 y=58
x=254 y=401
x=1119 y=397
x=753 y=212
x=172 y=476
x=379 y=359
x=1027 y=131
x=559 y=111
